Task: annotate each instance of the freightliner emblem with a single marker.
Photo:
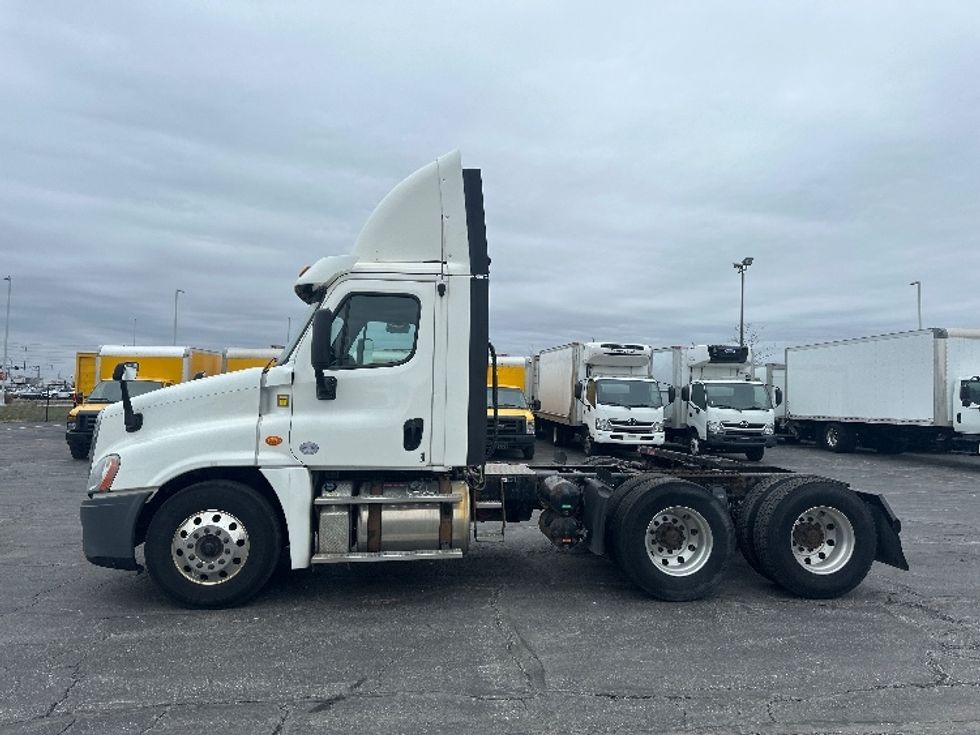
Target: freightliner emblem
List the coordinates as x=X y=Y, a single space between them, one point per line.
x=309 y=447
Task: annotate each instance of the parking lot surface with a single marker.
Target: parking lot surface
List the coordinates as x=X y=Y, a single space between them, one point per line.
x=517 y=637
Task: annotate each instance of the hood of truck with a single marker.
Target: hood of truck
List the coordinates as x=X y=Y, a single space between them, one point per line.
x=202 y=423
x=524 y=413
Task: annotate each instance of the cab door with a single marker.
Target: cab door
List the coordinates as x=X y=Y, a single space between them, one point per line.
x=373 y=405
x=967 y=410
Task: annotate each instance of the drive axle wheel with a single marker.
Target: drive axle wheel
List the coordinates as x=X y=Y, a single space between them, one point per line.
x=815 y=538
x=745 y=518
x=673 y=539
x=214 y=544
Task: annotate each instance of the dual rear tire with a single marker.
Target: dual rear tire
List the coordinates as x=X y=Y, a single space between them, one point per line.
x=813 y=537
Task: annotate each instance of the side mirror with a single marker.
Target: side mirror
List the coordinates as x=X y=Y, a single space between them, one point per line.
x=578 y=391
x=535 y=405
x=321 y=355
x=671 y=394
x=686 y=393
x=123 y=374
x=125 y=371
x=779 y=396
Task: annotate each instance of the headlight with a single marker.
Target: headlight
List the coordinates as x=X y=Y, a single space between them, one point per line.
x=768 y=430
x=529 y=427
x=71 y=426
x=714 y=427
x=658 y=426
x=103 y=473
x=603 y=425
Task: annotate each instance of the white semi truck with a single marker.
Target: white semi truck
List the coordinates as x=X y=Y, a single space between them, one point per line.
x=891 y=392
x=366 y=443
x=722 y=407
x=598 y=394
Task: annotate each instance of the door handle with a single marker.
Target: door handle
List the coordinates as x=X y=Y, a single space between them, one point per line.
x=412 y=434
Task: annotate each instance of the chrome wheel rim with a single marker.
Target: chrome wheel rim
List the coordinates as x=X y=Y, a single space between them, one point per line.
x=210 y=547
x=679 y=541
x=822 y=539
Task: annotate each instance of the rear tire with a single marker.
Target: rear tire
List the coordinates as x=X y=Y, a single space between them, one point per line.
x=673 y=540
x=748 y=512
x=213 y=544
x=815 y=538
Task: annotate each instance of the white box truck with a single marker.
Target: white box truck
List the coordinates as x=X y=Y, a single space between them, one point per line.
x=891 y=392
x=599 y=394
x=366 y=443
x=721 y=407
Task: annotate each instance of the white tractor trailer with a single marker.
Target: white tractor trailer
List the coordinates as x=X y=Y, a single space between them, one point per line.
x=891 y=392
x=366 y=442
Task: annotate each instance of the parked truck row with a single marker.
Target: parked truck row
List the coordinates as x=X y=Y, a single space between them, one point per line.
x=366 y=442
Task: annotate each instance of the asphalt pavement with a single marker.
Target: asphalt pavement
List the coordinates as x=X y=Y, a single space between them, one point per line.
x=517 y=637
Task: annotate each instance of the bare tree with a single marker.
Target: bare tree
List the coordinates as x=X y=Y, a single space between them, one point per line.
x=762 y=352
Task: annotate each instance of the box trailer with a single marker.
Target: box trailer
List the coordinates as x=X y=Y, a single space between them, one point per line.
x=918 y=389
x=241 y=358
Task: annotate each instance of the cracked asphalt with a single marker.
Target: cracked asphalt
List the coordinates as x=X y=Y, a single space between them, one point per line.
x=515 y=638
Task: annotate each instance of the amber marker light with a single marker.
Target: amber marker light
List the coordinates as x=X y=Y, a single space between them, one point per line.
x=303 y=270
x=273 y=441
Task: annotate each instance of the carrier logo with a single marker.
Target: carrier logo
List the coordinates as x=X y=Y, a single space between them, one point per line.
x=309 y=447
x=744 y=424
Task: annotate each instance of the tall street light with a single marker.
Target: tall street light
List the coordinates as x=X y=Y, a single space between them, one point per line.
x=176 y=293
x=6 y=334
x=741 y=268
x=918 y=298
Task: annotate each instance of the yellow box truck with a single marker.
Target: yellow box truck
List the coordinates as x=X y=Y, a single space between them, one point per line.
x=514 y=425
x=240 y=358
x=158 y=367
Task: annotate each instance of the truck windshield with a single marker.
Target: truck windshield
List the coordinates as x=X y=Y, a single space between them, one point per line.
x=632 y=393
x=740 y=396
x=507 y=398
x=108 y=391
x=972 y=391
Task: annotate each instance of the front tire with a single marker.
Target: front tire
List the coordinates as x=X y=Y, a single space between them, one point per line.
x=694 y=445
x=213 y=544
x=528 y=452
x=838 y=438
x=673 y=540
x=78 y=452
x=755 y=454
x=815 y=538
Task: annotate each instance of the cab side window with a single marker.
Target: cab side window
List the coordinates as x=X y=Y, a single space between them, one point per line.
x=375 y=330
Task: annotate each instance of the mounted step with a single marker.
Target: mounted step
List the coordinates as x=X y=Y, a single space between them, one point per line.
x=369 y=556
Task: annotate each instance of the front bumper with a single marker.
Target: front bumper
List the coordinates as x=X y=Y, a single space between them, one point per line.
x=739 y=442
x=653 y=439
x=109 y=528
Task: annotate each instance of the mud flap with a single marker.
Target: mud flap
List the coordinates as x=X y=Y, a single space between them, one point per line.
x=597 y=496
x=889 y=527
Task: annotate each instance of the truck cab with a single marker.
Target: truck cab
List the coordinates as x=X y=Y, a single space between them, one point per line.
x=621 y=411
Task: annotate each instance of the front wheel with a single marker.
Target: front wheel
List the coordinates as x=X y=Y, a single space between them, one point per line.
x=673 y=540
x=214 y=544
x=815 y=538
x=78 y=452
x=755 y=454
x=528 y=452
x=588 y=445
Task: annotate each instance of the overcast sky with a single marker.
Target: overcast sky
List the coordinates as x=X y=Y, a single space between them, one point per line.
x=630 y=154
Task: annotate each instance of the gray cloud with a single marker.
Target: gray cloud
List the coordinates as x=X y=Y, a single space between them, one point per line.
x=629 y=158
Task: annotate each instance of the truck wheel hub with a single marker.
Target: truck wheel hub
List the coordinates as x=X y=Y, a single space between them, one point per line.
x=679 y=541
x=210 y=547
x=823 y=540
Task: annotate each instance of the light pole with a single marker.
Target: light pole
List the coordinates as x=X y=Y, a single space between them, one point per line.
x=134 y=331
x=6 y=334
x=741 y=268
x=918 y=298
x=176 y=293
